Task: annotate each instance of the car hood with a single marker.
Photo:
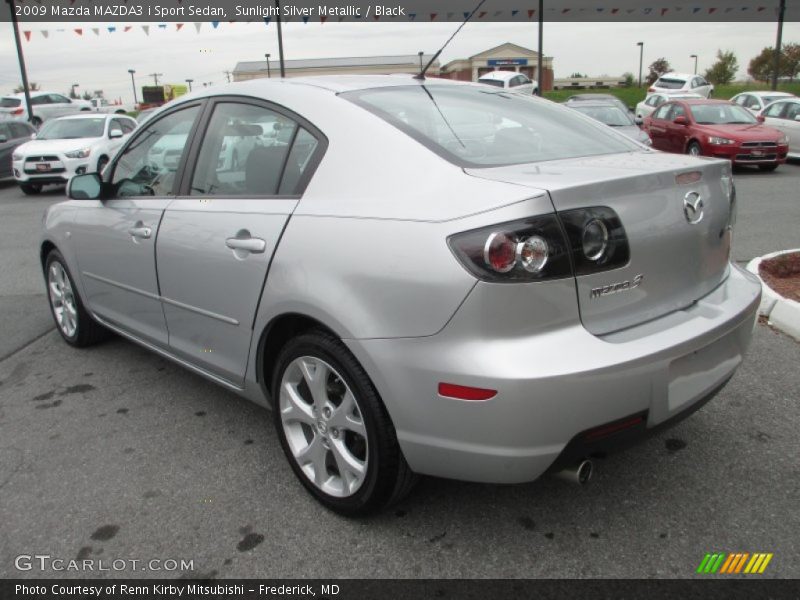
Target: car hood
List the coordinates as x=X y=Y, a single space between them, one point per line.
x=743 y=133
x=43 y=146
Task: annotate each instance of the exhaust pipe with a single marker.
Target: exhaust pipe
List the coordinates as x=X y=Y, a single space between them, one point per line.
x=580 y=473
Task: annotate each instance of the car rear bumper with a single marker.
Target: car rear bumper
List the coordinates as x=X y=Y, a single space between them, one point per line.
x=552 y=386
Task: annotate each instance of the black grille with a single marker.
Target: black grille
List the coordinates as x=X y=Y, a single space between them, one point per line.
x=759 y=145
x=758 y=158
x=41 y=158
x=48 y=172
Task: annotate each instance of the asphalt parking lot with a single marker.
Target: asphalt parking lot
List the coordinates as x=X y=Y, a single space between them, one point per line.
x=114 y=453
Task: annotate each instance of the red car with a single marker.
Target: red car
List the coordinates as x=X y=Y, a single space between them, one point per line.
x=716 y=128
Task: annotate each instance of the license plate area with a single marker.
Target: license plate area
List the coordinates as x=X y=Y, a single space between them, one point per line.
x=43 y=167
x=692 y=376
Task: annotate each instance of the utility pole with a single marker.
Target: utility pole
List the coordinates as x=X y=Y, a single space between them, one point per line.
x=267 y=55
x=540 y=58
x=227 y=75
x=189 y=81
x=641 y=60
x=155 y=77
x=420 y=60
x=133 y=83
x=694 y=56
x=776 y=67
x=280 y=38
x=21 y=57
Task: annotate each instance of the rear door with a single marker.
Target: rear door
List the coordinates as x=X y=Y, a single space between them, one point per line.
x=7 y=145
x=216 y=241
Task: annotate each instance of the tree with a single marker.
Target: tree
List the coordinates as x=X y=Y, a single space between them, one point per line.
x=87 y=95
x=578 y=75
x=628 y=79
x=761 y=66
x=724 y=70
x=32 y=87
x=657 y=69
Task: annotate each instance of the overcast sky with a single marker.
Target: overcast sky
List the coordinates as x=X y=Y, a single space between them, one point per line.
x=101 y=62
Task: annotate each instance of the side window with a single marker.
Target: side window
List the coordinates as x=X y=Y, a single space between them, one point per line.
x=677 y=111
x=653 y=100
x=244 y=151
x=58 y=99
x=662 y=111
x=752 y=102
x=741 y=99
x=38 y=100
x=695 y=82
x=299 y=158
x=792 y=111
x=149 y=164
x=775 y=110
x=127 y=125
x=523 y=79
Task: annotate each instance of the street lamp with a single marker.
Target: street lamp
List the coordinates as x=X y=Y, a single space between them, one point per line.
x=694 y=56
x=641 y=57
x=267 y=55
x=133 y=83
x=72 y=91
x=420 y=61
x=189 y=81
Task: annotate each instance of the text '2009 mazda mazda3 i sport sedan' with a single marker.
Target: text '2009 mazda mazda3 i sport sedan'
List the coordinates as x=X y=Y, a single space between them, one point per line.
x=419 y=276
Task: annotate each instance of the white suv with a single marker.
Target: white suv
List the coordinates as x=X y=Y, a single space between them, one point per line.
x=674 y=83
x=511 y=81
x=45 y=105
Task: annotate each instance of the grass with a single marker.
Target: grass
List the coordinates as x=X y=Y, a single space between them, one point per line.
x=632 y=96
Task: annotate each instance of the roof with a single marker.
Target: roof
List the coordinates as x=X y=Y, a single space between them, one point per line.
x=340 y=62
x=89 y=115
x=762 y=93
x=33 y=93
x=677 y=76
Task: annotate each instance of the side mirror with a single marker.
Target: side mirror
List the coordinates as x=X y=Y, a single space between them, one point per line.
x=34 y=135
x=681 y=120
x=115 y=133
x=3 y=138
x=761 y=118
x=85 y=187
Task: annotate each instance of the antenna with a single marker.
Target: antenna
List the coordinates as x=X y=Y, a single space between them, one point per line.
x=421 y=75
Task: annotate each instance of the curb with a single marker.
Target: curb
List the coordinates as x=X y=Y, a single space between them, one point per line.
x=782 y=313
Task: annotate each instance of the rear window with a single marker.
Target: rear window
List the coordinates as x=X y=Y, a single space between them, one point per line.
x=610 y=115
x=10 y=102
x=669 y=83
x=494 y=82
x=479 y=127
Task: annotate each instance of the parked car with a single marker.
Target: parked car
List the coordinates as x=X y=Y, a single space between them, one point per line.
x=646 y=107
x=612 y=115
x=12 y=135
x=756 y=101
x=411 y=298
x=673 y=83
x=511 y=81
x=69 y=146
x=784 y=115
x=591 y=97
x=716 y=128
x=102 y=105
x=45 y=105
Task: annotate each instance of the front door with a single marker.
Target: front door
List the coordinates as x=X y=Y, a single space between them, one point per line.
x=116 y=238
x=216 y=241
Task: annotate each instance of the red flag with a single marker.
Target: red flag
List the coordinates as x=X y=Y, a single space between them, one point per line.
x=614 y=11
x=664 y=11
x=322 y=19
x=79 y=31
x=27 y=35
x=178 y=26
x=530 y=13
x=128 y=28
x=481 y=14
x=711 y=10
x=565 y=10
x=433 y=16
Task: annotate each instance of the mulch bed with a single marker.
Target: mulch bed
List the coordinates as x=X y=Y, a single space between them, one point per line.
x=782 y=274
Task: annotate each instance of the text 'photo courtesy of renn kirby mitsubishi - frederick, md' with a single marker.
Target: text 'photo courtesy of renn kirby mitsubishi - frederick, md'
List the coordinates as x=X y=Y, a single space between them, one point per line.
x=471 y=298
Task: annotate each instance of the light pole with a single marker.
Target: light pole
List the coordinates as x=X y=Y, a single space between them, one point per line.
x=133 y=83
x=72 y=91
x=189 y=81
x=269 y=74
x=420 y=60
x=694 y=56
x=23 y=71
x=641 y=60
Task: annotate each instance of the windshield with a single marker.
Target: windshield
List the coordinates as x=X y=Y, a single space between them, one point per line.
x=10 y=102
x=70 y=129
x=670 y=84
x=494 y=82
x=722 y=114
x=480 y=127
x=610 y=115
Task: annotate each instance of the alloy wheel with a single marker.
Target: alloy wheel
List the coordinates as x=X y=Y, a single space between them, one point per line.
x=323 y=426
x=62 y=299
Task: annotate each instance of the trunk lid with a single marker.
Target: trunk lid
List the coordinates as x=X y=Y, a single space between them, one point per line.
x=674 y=261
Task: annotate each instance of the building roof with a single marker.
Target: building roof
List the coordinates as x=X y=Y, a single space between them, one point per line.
x=341 y=62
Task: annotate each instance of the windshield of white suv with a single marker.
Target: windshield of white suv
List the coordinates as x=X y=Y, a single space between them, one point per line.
x=722 y=114
x=475 y=126
x=610 y=115
x=71 y=129
x=670 y=84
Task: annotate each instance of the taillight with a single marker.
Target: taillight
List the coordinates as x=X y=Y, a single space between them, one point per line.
x=531 y=249
x=652 y=89
x=17 y=112
x=597 y=239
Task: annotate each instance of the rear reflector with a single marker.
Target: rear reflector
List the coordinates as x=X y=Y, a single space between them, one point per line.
x=687 y=178
x=461 y=392
x=612 y=428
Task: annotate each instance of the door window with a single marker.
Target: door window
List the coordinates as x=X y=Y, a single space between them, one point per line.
x=149 y=164
x=653 y=100
x=792 y=111
x=677 y=111
x=742 y=99
x=662 y=111
x=38 y=100
x=775 y=110
x=244 y=152
x=752 y=102
x=59 y=99
x=303 y=149
x=126 y=125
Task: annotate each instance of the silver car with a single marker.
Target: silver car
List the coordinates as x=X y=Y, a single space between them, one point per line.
x=412 y=293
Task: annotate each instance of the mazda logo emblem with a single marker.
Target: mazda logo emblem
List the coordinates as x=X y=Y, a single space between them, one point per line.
x=693 y=208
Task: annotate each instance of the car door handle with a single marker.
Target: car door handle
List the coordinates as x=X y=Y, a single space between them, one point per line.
x=252 y=245
x=141 y=232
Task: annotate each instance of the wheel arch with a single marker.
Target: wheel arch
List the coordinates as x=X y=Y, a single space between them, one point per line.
x=689 y=142
x=46 y=248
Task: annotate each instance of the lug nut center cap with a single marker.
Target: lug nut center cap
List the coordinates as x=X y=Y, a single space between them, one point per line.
x=322 y=426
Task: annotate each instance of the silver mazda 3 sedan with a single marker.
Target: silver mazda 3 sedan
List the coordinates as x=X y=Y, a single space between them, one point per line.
x=418 y=276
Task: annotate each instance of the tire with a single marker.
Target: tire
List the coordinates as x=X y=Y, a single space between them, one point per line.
x=101 y=164
x=31 y=189
x=73 y=322
x=36 y=122
x=768 y=168
x=348 y=426
x=694 y=149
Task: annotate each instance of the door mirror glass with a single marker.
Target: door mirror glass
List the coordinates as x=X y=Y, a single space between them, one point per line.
x=85 y=187
x=115 y=133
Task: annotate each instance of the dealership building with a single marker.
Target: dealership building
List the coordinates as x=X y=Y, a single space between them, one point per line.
x=506 y=57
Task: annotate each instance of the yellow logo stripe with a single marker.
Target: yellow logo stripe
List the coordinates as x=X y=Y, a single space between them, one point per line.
x=765 y=563
x=754 y=562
